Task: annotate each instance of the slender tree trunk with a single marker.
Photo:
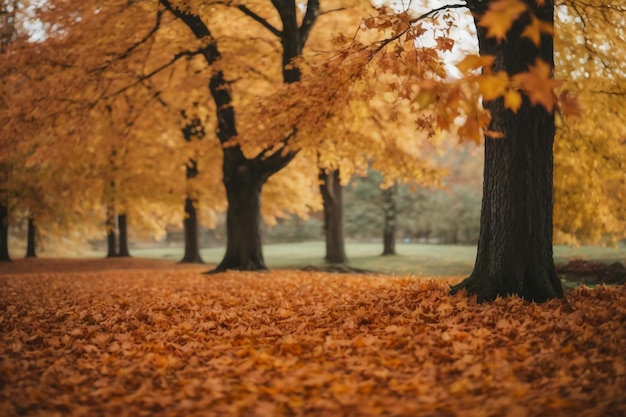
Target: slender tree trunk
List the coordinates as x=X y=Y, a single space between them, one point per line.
x=193 y=129
x=192 y=234
x=31 y=239
x=111 y=225
x=332 y=198
x=4 y=234
x=243 y=180
x=389 y=228
x=122 y=224
x=515 y=241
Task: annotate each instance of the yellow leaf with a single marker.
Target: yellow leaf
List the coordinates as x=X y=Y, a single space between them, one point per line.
x=535 y=28
x=512 y=100
x=474 y=62
x=500 y=17
x=539 y=85
x=493 y=86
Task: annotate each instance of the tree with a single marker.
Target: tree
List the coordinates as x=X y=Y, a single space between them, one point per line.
x=515 y=241
x=389 y=214
x=31 y=239
x=111 y=227
x=4 y=234
x=332 y=200
x=244 y=177
x=193 y=130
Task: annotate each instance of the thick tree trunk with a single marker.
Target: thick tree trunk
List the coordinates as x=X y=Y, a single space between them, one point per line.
x=4 y=234
x=122 y=224
x=515 y=241
x=332 y=199
x=31 y=239
x=111 y=225
x=192 y=234
x=243 y=179
x=389 y=228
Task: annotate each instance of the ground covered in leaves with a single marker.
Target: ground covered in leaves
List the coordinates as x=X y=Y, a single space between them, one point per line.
x=167 y=340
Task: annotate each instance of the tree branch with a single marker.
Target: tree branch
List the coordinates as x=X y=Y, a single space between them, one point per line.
x=157 y=70
x=260 y=20
x=276 y=161
x=387 y=41
x=312 y=11
x=134 y=46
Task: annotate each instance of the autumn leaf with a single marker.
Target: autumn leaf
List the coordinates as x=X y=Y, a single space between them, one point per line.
x=539 y=85
x=159 y=337
x=500 y=16
x=512 y=100
x=569 y=104
x=493 y=86
x=474 y=62
x=535 y=28
x=444 y=44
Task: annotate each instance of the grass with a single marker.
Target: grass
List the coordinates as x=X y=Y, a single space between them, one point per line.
x=412 y=258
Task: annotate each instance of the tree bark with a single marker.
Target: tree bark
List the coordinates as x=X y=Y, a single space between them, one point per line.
x=122 y=224
x=31 y=239
x=4 y=234
x=390 y=213
x=192 y=234
x=243 y=179
x=111 y=225
x=332 y=199
x=515 y=241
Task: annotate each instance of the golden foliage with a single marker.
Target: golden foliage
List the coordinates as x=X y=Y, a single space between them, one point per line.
x=590 y=157
x=168 y=340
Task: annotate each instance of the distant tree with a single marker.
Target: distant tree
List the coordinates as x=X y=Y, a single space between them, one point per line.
x=4 y=233
x=194 y=129
x=122 y=225
x=390 y=216
x=332 y=200
x=31 y=239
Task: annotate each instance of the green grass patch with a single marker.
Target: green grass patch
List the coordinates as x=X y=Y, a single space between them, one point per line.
x=412 y=258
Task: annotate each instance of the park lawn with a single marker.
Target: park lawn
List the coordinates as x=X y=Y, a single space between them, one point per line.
x=412 y=258
x=155 y=338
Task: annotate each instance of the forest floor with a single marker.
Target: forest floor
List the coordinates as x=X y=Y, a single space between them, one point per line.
x=129 y=337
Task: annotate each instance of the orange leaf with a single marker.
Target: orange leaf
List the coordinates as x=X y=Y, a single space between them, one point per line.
x=539 y=85
x=500 y=17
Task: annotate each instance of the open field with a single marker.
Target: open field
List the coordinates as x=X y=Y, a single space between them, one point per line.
x=412 y=258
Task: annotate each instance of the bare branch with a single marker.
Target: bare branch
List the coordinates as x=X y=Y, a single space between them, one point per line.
x=143 y=77
x=259 y=19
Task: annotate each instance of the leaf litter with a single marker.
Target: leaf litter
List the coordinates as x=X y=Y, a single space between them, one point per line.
x=173 y=342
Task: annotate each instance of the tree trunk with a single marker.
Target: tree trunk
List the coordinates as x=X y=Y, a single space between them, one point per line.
x=389 y=228
x=4 y=234
x=111 y=225
x=122 y=224
x=193 y=130
x=192 y=234
x=332 y=198
x=515 y=240
x=31 y=239
x=243 y=179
